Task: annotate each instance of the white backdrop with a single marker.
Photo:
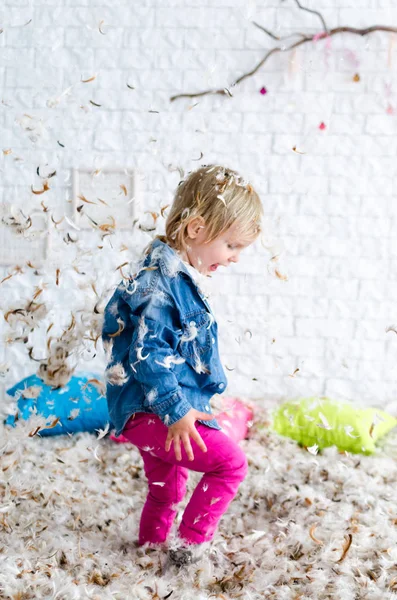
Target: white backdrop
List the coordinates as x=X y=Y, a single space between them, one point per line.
x=330 y=204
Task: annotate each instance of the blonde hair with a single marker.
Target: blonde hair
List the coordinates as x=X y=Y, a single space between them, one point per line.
x=222 y=198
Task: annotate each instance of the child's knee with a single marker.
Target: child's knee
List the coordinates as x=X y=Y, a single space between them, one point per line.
x=239 y=464
x=168 y=495
x=244 y=467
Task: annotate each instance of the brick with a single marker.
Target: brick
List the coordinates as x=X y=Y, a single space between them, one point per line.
x=18 y=3
x=334 y=166
x=160 y=39
x=359 y=145
x=299 y=346
x=177 y=3
x=353 y=124
x=373 y=247
x=373 y=290
x=375 y=206
x=20 y=174
x=313 y=205
x=372 y=226
x=18 y=37
x=299 y=184
x=137 y=37
x=246 y=388
x=76 y=2
x=361 y=268
x=124 y=59
x=247 y=143
x=381 y=125
x=195 y=17
x=392 y=243
x=364 y=18
x=340 y=288
x=257 y=103
x=354 y=349
x=355 y=180
x=222 y=121
x=371 y=329
x=198 y=80
x=243 y=303
x=112 y=79
x=14 y=16
x=311 y=307
x=308 y=246
x=159 y=79
x=327 y=328
x=309 y=225
x=182 y=58
x=107 y=140
x=131 y=101
x=25 y=77
x=368 y=60
x=225 y=283
x=279 y=123
x=70 y=59
x=279 y=325
x=131 y=16
x=213 y=38
x=307 y=266
x=281 y=305
x=362 y=392
x=81 y=140
x=303 y=386
x=278 y=204
x=341 y=389
x=257 y=364
x=90 y=37
x=313 y=367
x=283 y=144
x=8 y=138
x=367 y=103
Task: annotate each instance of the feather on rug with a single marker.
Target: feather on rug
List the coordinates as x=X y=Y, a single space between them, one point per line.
x=303 y=526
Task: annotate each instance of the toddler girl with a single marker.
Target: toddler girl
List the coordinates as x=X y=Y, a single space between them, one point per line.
x=162 y=341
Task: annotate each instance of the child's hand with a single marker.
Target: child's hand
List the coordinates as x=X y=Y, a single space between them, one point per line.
x=184 y=429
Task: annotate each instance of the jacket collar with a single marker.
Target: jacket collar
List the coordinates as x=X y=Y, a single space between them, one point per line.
x=171 y=262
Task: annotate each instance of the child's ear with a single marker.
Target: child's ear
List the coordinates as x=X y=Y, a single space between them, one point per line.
x=195 y=226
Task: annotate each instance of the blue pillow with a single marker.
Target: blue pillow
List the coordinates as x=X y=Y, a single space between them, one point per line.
x=79 y=406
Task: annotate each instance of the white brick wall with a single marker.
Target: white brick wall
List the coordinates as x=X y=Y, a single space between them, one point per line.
x=332 y=207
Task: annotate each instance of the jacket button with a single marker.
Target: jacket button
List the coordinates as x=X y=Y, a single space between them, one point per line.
x=193 y=323
x=221 y=386
x=207 y=407
x=213 y=340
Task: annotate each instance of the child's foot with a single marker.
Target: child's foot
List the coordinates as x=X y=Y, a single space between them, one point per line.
x=150 y=548
x=187 y=555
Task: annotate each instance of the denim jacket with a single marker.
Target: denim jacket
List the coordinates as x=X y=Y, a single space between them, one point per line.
x=162 y=341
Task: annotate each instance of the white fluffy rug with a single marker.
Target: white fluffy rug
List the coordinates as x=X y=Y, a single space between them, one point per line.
x=302 y=526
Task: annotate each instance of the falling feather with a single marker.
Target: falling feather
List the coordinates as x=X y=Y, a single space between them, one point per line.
x=170 y=360
x=102 y=432
x=324 y=423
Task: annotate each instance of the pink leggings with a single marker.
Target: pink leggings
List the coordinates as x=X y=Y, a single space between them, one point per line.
x=224 y=466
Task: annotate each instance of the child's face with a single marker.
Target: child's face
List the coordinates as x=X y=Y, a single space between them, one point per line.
x=222 y=251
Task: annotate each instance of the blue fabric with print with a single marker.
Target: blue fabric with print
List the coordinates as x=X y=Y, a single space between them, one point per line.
x=79 y=405
x=161 y=339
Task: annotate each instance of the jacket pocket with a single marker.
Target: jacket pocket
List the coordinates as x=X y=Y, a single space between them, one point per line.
x=195 y=344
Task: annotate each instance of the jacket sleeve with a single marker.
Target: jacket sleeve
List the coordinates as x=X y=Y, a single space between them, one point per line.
x=153 y=353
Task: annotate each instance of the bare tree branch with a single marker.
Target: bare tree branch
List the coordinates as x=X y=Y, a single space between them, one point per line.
x=304 y=40
x=315 y=12
x=276 y=37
